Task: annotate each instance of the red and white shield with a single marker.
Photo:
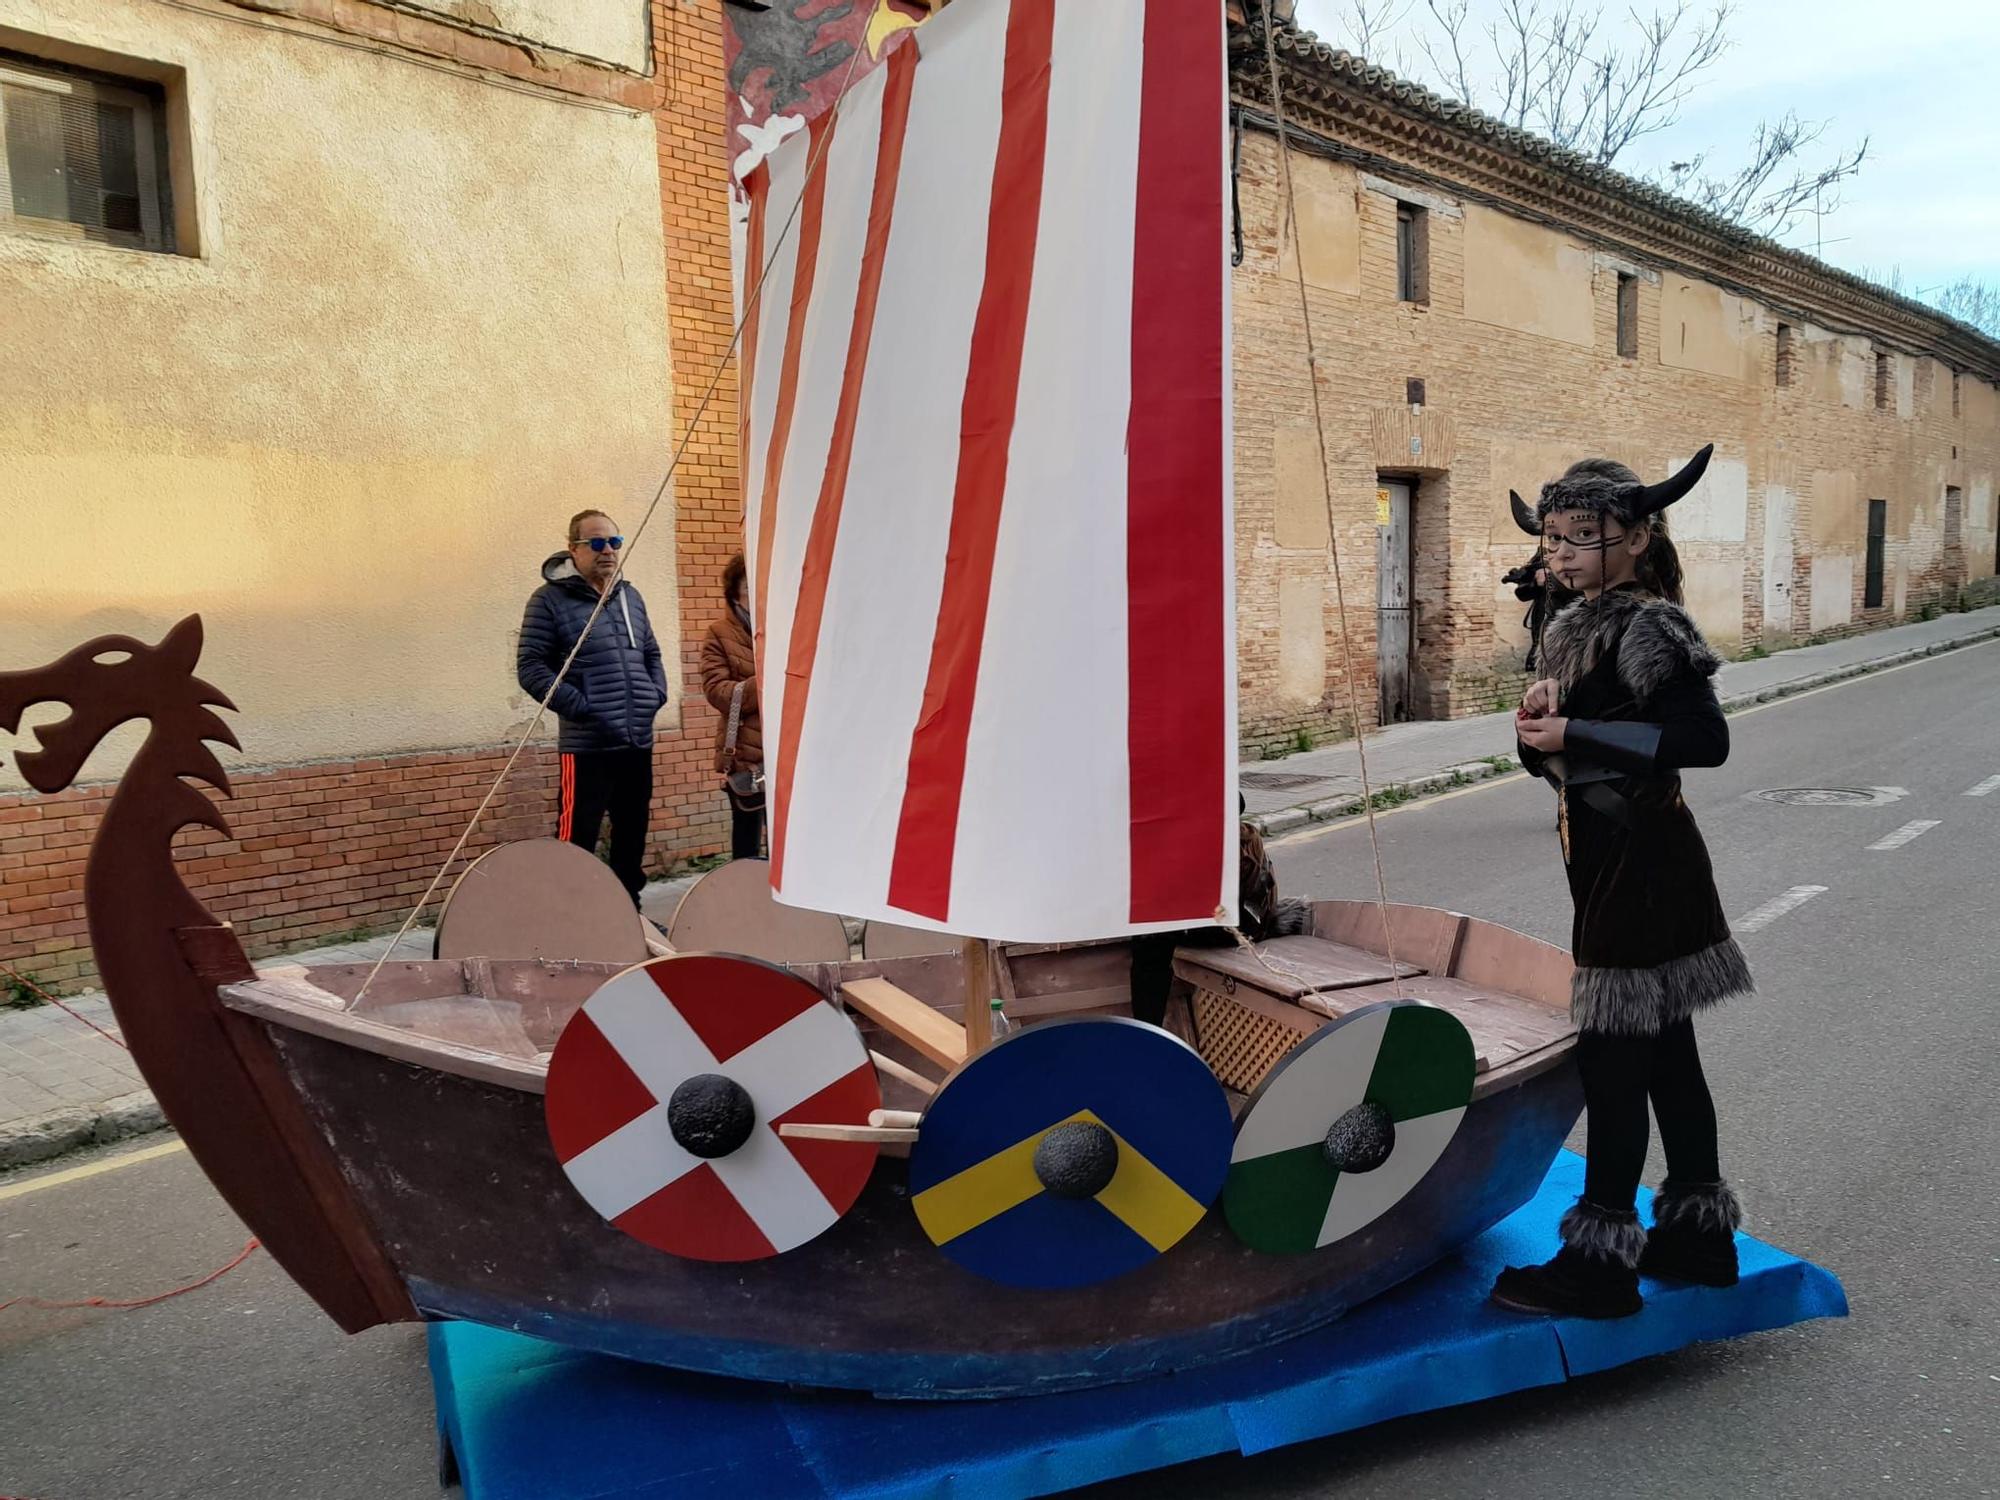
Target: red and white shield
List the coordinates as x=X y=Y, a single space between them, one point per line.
x=649 y=1030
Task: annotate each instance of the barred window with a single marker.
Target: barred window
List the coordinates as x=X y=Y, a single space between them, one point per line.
x=83 y=157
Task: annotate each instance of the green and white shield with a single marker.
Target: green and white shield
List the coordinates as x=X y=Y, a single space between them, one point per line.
x=1284 y=1193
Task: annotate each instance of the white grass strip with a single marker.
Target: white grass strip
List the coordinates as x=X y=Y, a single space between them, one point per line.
x=1904 y=834
x=1777 y=907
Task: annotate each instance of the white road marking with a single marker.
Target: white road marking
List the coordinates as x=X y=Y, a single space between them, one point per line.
x=1904 y=834
x=1777 y=907
x=1890 y=793
x=1990 y=784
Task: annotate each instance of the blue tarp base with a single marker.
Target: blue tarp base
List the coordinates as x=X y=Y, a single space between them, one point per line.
x=528 y=1420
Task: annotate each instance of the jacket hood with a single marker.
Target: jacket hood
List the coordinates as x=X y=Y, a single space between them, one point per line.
x=558 y=568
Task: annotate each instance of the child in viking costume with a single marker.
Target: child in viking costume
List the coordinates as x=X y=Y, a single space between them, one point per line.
x=1626 y=707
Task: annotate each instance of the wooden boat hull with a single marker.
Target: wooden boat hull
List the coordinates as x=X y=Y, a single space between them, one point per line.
x=390 y=1150
x=470 y=1206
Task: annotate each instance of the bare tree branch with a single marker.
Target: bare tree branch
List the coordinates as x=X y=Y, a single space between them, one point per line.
x=1774 y=189
x=1974 y=302
x=1966 y=299
x=1367 y=27
x=1558 y=68
x=1450 y=20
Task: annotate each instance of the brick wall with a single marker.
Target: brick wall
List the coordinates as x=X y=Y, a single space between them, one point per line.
x=312 y=851
x=691 y=817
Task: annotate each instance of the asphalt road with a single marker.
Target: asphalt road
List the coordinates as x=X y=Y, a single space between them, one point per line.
x=1857 y=1095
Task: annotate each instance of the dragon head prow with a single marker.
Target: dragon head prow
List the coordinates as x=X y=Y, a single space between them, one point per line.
x=108 y=681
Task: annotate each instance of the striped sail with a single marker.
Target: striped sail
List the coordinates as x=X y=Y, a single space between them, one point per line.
x=986 y=434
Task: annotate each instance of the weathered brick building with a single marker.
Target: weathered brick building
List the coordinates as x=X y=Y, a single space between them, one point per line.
x=1488 y=309
x=358 y=388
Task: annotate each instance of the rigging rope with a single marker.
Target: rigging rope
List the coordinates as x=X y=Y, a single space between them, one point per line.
x=1326 y=487
x=28 y=984
x=750 y=301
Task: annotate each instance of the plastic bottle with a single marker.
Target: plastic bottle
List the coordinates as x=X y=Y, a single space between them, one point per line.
x=1001 y=1025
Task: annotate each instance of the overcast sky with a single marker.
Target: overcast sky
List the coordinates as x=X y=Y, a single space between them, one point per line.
x=1919 y=78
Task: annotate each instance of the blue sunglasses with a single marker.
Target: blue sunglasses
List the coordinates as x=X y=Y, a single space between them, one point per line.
x=599 y=543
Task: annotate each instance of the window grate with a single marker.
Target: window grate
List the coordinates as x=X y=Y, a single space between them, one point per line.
x=81 y=158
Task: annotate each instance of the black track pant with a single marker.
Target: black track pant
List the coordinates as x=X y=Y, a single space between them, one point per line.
x=617 y=782
x=1620 y=1074
x=746 y=831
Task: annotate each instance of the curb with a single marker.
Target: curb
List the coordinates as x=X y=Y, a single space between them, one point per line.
x=1395 y=793
x=1290 y=819
x=40 y=1137
x=1791 y=687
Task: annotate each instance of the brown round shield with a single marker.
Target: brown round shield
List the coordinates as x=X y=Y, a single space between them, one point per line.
x=730 y=910
x=541 y=898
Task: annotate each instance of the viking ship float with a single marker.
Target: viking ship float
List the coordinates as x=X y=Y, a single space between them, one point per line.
x=791 y=1162
x=414 y=1155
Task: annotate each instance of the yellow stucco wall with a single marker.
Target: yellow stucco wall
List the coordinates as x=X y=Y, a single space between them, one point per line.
x=428 y=321
x=612 y=31
x=1520 y=275
x=1705 y=328
x=1301 y=489
x=1329 y=228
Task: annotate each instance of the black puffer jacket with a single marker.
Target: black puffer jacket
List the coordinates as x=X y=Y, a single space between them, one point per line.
x=617 y=684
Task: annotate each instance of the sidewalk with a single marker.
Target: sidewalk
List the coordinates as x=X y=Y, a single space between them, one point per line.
x=1407 y=760
x=63 y=1086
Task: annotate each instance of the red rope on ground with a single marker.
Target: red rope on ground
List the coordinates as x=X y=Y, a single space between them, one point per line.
x=193 y=1286
x=111 y=1302
x=28 y=984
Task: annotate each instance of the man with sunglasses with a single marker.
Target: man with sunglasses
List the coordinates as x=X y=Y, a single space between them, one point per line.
x=608 y=698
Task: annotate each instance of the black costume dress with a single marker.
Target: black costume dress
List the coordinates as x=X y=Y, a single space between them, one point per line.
x=1652 y=945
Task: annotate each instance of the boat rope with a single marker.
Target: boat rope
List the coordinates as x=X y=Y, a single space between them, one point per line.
x=722 y=360
x=46 y=1304
x=28 y=984
x=1326 y=495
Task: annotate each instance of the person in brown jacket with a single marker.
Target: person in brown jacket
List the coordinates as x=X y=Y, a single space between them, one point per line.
x=729 y=681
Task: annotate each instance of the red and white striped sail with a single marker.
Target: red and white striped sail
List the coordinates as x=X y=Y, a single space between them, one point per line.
x=987 y=480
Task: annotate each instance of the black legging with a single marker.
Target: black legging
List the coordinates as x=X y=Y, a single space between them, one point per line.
x=1619 y=1074
x=1153 y=966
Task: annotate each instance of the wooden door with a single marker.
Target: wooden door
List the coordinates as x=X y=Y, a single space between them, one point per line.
x=1780 y=511
x=1395 y=633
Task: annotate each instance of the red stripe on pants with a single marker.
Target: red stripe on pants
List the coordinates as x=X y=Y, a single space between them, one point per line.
x=566 y=799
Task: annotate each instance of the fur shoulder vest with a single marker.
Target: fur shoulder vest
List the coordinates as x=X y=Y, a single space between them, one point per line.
x=1655 y=642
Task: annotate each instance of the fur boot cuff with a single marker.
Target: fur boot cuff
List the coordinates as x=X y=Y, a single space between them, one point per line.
x=1710 y=1207
x=1603 y=1233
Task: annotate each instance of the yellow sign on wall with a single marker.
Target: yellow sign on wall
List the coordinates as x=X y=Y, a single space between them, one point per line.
x=1381 y=507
